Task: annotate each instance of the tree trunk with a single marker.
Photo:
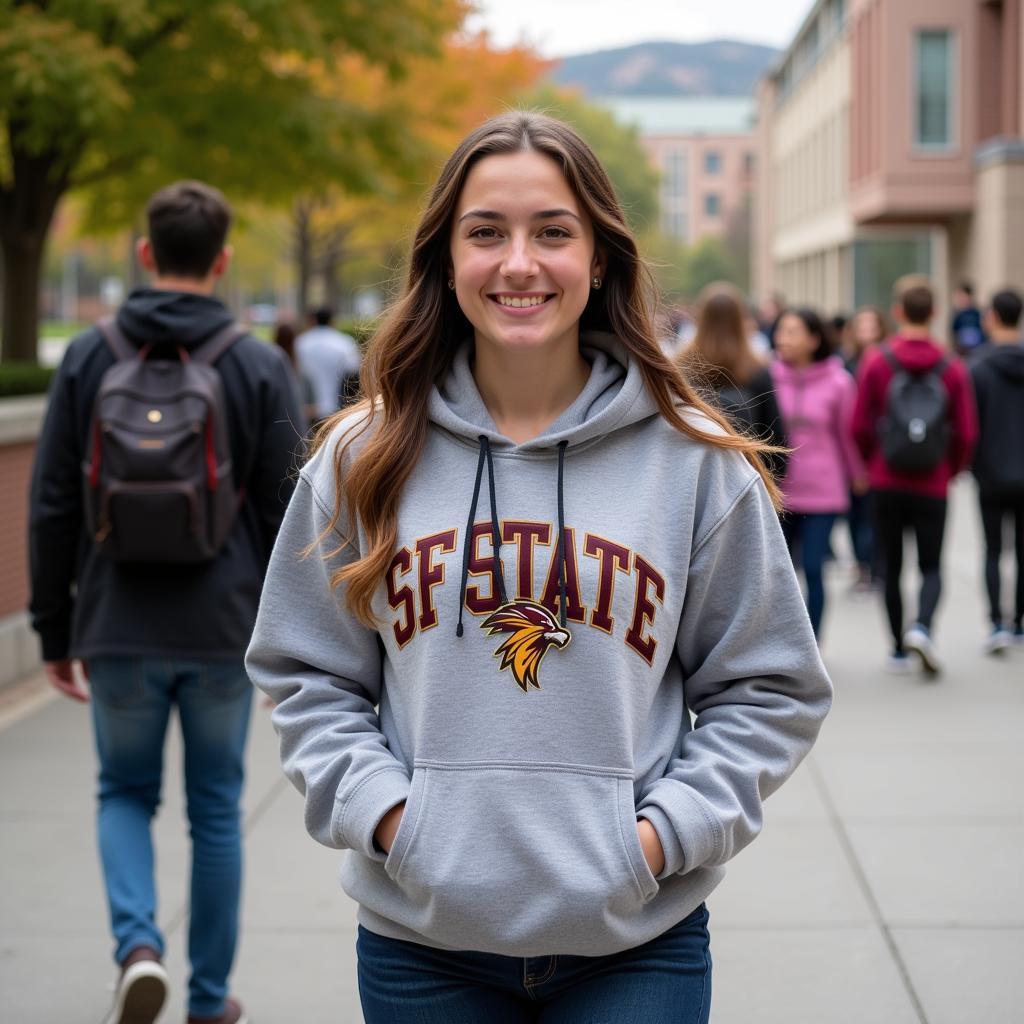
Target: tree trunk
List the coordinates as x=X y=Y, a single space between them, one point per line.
x=26 y=212
x=302 y=249
x=23 y=260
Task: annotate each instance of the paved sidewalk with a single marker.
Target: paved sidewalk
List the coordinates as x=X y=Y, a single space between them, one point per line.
x=887 y=886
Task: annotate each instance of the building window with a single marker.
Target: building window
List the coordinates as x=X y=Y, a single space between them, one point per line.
x=879 y=262
x=934 y=89
x=748 y=163
x=712 y=161
x=712 y=205
x=674 y=185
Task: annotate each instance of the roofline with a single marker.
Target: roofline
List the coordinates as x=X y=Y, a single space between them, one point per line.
x=776 y=68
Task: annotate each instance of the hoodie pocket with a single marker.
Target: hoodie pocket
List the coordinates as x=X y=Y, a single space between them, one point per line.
x=493 y=857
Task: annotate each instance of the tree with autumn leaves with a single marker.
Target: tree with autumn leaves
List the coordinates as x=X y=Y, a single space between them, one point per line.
x=119 y=96
x=338 y=112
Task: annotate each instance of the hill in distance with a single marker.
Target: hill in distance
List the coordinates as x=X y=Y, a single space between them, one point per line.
x=721 y=67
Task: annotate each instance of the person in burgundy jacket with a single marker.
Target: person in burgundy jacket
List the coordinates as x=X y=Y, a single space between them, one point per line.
x=913 y=500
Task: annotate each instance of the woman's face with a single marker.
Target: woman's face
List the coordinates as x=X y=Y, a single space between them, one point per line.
x=793 y=342
x=523 y=254
x=865 y=329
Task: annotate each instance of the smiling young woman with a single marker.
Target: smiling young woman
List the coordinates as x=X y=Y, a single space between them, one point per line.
x=532 y=824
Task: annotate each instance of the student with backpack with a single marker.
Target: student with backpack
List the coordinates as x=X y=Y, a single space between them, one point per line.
x=915 y=425
x=999 y=460
x=161 y=477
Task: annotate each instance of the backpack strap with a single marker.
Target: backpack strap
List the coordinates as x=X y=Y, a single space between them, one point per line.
x=122 y=348
x=211 y=350
x=890 y=357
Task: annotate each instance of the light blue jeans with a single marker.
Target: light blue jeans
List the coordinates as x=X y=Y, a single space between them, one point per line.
x=131 y=705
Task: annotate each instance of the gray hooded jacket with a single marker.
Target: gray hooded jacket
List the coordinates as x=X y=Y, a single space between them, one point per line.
x=681 y=683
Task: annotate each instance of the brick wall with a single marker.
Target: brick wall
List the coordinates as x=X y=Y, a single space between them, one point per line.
x=15 y=469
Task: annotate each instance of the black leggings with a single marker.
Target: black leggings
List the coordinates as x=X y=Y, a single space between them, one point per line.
x=895 y=513
x=994 y=512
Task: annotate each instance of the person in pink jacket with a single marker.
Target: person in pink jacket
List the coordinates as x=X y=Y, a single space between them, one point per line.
x=816 y=396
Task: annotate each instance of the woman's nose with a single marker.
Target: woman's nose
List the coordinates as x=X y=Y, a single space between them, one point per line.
x=519 y=260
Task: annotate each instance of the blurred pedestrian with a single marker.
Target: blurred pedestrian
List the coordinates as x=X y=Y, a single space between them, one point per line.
x=534 y=834
x=721 y=359
x=866 y=328
x=915 y=425
x=330 y=361
x=284 y=338
x=966 y=325
x=816 y=396
x=149 y=577
x=999 y=459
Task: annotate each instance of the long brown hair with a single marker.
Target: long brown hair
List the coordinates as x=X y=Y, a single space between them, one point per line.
x=417 y=339
x=720 y=353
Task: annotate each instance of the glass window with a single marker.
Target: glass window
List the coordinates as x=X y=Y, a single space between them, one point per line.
x=712 y=161
x=712 y=204
x=934 y=88
x=674 y=183
x=879 y=262
x=748 y=163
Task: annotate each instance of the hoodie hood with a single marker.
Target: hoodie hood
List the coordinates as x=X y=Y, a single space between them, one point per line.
x=169 y=317
x=1007 y=360
x=916 y=354
x=613 y=397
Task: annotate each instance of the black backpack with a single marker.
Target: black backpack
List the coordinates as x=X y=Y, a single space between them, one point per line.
x=914 y=433
x=157 y=475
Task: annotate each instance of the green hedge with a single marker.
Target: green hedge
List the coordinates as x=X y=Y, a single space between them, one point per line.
x=24 y=379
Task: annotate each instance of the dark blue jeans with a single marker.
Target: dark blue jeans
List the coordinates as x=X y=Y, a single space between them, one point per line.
x=810 y=532
x=132 y=701
x=665 y=980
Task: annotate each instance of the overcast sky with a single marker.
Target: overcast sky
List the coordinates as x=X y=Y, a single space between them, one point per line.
x=557 y=28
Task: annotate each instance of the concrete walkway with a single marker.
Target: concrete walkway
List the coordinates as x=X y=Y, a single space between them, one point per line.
x=887 y=886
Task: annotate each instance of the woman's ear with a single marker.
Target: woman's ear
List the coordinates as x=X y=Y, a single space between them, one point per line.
x=599 y=264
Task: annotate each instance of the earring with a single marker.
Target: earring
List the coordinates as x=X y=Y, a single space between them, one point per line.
x=451 y=283
x=597 y=282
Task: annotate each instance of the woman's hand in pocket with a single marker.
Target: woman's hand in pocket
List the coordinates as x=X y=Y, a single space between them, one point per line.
x=385 y=833
x=651 y=845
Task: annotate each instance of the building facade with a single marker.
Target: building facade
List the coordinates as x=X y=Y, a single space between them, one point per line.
x=890 y=142
x=703 y=150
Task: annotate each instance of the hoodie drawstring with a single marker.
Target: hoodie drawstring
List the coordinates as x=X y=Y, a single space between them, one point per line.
x=466 y=547
x=485 y=457
x=562 y=570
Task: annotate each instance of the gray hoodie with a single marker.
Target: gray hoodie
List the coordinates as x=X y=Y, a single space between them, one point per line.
x=526 y=747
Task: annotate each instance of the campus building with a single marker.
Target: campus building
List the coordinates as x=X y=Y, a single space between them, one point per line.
x=890 y=141
x=703 y=150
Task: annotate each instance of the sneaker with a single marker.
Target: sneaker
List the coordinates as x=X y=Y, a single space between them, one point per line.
x=233 y=1014
x=141 y=989
x=1018 y=637
x=998 y=641
x=918 y=640
x=898 y=664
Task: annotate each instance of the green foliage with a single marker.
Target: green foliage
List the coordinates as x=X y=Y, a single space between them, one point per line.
x=682 y=271
x=131 y=94
x=617 y=146
x=24 y=379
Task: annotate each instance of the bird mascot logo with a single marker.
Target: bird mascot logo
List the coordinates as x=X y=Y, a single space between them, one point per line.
x=532 y=630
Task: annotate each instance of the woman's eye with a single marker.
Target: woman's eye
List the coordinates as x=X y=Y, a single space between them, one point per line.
x=484 y=233
x=554 y=232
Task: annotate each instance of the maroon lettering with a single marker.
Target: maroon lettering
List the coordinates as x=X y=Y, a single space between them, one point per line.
x=611 y=558
x=431 y=573
x=574 y=607
x=644 y=610
x=482 y=565
x=402 y=599
x=525 y=535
